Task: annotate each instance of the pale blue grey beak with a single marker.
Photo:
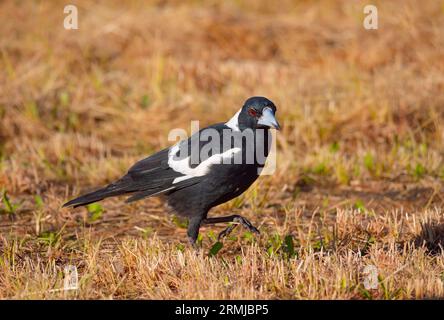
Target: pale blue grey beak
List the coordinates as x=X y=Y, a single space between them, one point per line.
x=268 y=119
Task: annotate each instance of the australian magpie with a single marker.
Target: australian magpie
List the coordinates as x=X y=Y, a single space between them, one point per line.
x=213 y=166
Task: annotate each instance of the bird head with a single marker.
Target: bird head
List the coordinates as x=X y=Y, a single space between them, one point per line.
x=258 y=112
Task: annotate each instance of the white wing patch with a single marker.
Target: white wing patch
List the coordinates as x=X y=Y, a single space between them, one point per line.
x=182 y=166
x=233 y=123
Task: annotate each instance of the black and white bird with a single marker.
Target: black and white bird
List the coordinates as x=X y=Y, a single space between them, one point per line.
x=213 y=166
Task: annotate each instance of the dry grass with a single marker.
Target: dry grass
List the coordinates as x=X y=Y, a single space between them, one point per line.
x=360 y=160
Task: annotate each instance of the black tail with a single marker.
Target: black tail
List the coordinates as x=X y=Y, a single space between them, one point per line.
x=117 y=188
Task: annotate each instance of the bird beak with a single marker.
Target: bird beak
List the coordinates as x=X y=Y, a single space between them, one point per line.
x=268 y=119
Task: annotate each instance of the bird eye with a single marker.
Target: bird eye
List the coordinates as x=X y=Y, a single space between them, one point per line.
x=252 y=112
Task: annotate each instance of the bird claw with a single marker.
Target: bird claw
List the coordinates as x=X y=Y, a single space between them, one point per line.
x=246 y=224
x=238 y=220
x=193 y=243
x=226 y=231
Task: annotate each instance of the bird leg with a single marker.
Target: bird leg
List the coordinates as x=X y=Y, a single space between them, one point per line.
x=193 y=229
x=237 y=219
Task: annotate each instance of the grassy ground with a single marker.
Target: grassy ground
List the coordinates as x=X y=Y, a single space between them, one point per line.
x=360 y=160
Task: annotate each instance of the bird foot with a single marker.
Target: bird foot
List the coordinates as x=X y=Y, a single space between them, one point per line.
x=236 y=221
x=193 y=243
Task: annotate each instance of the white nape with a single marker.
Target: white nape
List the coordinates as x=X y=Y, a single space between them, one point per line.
x=233 y=123
x=182 y=166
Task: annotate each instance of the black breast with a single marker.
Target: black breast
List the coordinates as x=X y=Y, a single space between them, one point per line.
x=223 y=182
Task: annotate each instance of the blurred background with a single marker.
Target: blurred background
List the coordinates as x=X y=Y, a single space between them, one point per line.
x=362 y=111
x=76 y=103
